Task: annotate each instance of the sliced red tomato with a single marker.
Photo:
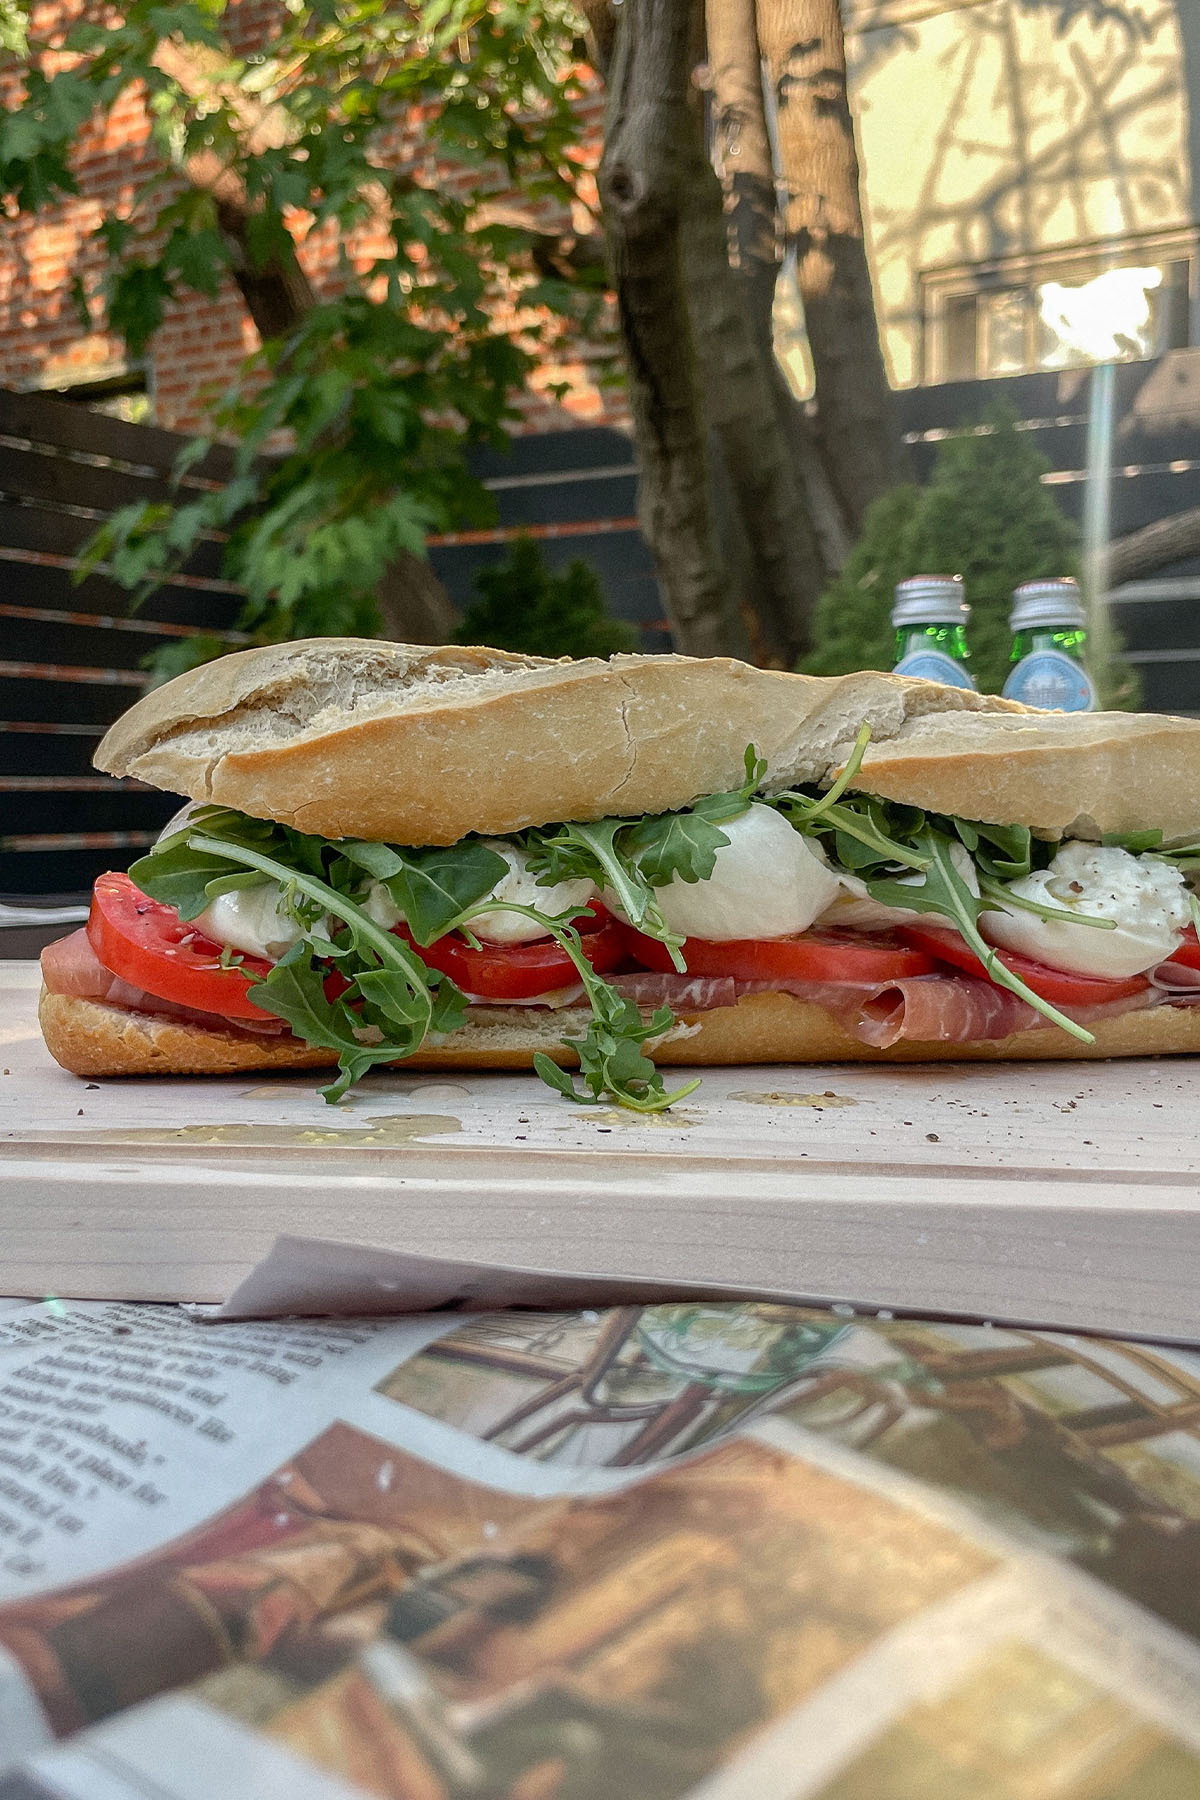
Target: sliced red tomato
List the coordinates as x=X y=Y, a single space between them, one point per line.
x=148 y=945
x=1059 y=986
x=522 y=971
x=1188 y=952
x=811 y=956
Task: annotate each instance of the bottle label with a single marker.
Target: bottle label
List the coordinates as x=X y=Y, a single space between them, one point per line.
x=934 y=665
x=1051 y=679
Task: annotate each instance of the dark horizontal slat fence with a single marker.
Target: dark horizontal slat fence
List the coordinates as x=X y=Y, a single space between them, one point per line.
x=71 y=653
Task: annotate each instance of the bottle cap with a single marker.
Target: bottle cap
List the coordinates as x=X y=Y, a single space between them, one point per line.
x=1056 y=602
x=930 y=600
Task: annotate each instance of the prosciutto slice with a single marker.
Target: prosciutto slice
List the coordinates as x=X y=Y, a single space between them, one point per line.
x=932 y=1009
x=72 y=967
x=682 y=993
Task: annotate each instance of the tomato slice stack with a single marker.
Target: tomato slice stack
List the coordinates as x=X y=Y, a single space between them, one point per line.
x=149 y=945
x=1059 y=986
x=810 y=956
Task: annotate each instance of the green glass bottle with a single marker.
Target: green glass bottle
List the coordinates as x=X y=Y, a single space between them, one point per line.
x=930 y=619
x=1049 y=647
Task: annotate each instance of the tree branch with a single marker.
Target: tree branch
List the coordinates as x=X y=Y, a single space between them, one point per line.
x=277 y=292
x=1155 y=546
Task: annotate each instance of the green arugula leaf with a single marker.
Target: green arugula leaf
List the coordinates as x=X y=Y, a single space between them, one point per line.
x=433 y=888
x=590 y=851
x=1134 y=841
x=295 y=990
x=610 y=1059
x=945 y=892
x=1004 y=852
x=379 y=860
x=682 y=845
x=179 y=877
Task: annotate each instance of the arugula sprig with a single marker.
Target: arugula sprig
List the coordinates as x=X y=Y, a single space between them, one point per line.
x=392 y=1001
x=611 y=1061
x=944 y=891
x=878 y=840
x=633 y=857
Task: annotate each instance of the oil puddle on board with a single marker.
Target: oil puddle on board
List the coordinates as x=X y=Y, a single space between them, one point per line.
x=384 y=1131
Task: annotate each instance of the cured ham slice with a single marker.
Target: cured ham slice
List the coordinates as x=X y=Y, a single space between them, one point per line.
x=72 y=967
x=931 y=1009
x=682 y=993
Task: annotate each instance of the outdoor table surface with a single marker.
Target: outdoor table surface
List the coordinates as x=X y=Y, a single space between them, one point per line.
x=1058 y=1193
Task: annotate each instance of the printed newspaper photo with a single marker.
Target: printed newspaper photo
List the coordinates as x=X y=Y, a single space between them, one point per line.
x=736 y=1551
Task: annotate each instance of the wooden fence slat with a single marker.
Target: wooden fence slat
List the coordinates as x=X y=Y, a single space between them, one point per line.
x=48 y=586
x=59 y=480
x=45 y=419
x=52 y=531
x=35 y=748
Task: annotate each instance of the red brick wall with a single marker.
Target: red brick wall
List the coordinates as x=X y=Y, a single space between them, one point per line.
x=42 y=343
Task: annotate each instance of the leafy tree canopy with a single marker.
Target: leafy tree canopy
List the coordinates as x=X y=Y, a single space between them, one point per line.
x=525 y=605
x=413 y=120
x=985 y=515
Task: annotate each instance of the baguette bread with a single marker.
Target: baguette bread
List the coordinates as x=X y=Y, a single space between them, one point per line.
x=91 y=1039
x=355 y=738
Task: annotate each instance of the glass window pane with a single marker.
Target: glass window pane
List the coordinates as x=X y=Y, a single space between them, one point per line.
x=1004 y=319
x=959 y=328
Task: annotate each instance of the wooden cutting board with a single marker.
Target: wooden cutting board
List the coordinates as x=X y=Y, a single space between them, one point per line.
x=1060 y=1194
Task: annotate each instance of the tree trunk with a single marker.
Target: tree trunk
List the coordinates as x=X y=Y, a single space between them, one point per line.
x=413 y=605
x=784 y=573
x=803 y=44
x=1156 y=546
x=742 y=154
x=644 y=178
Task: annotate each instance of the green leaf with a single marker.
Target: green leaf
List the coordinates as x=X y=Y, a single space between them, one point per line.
x=433 y=888
x=295 y=991
x=685 y=844
x=590 y=852
x=178 y=876
x=682 y=845
x=379 y=860
x=553 y=1076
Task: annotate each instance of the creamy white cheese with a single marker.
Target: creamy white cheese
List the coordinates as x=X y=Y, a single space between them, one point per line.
x=251 y=920
x=519 y=887
x=1147 y=898
x=767 y=882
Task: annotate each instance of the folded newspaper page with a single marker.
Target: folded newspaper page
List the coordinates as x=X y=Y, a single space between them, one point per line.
x=733 y=1550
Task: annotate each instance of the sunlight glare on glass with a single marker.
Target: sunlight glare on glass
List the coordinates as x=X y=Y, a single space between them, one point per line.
x=1104 y=321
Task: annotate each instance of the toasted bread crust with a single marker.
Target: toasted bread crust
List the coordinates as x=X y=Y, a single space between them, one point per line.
x=91 y=1039
x=347 y=737
x=352 y=738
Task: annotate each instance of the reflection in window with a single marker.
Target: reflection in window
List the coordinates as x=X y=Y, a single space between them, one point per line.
x=992 y=323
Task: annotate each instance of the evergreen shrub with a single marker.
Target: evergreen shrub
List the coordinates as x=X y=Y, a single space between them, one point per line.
x=985 y=515
x=523 y=604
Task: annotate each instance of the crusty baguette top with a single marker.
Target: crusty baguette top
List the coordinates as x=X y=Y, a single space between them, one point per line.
x=349 y=737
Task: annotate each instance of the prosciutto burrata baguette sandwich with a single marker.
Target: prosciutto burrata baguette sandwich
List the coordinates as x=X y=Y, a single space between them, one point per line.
x=461 y=857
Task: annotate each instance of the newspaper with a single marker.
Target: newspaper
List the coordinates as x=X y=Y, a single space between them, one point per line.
x=734 y=1550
